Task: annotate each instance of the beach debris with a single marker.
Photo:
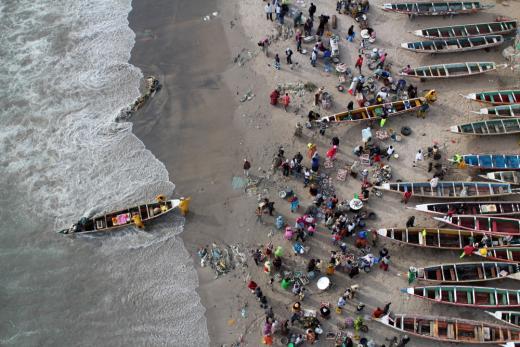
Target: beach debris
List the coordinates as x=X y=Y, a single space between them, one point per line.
x=222 y=259
x=247 y=96
x=243 y=57
x=208 y=17
x=238 y=182
x=152 y=86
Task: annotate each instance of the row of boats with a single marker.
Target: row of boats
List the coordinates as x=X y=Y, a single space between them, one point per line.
x=487 y=231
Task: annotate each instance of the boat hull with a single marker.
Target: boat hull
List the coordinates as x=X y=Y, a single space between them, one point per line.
x=468 y=272
x=507 y=126
x=444 y=46
x=491 y=208
x=496 y=225
x=467 y=30
x=498 y=97
x=453 y=70
x=450 y=190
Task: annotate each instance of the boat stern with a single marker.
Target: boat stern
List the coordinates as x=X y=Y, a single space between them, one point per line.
x=387 y=7
x=483 y=111
x=471 y=96
x=382 y=232
x=409 y=290
x=418 y=33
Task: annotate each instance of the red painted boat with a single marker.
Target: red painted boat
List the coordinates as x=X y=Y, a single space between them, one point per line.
x=497 y=225
x=509 y=254
x=487 y=208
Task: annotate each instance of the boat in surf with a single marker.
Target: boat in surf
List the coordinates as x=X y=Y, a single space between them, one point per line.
x=508 y=317
x=374 y=112
x=447 y=239
x=468 y=296
x=138 y=216
x=508 y=254
x=502 y=162
x=488 y=208
x=443 y=329
x=450 y=70
x=450 y=190
x=436 y=8
x=511 y=177
x=455 y=45
x=468 y=30
x=499 y=225
x=489 y=127
x=502 y=111
x=497 y=97
x=468 y=272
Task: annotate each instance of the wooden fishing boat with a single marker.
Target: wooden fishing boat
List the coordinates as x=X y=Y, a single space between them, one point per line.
x=483 y=223
x=498 y=97
x=511 y=344
x=450 y=329
x=480 y=297
x=489 y=127
x=137 y=215
x=508 y=254
x=503 y=111
x=450 y=190
x=491 y=208
x=468 y=272
x=503 y=162
x=508 y=317
x=454 y=45
x=468 y=30
x=450 y=70
x=511 y=177
x=448 y=239
x=436 y=8
x=377 y=111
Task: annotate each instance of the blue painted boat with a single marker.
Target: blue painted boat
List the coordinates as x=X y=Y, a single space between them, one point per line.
x=493 y=161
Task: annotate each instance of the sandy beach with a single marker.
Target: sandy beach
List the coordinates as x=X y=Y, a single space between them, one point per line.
x=199 y=128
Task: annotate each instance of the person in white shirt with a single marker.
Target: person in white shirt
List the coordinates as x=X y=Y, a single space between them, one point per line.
x=269 y=11
x=434 y=182
x=418 y=156
x=390 y=151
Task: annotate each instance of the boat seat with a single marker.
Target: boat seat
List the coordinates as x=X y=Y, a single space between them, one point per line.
x=469 y=296
x=450 y=296
x=493 y=272
x=479 y=272
x=451 y=331
x=150 y=211
x=452 y=274
x=100 y=224
x=494 y=226
x=438 y=275
x=492 y=298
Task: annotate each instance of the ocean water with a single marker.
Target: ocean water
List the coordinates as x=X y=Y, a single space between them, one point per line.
x=65 y=75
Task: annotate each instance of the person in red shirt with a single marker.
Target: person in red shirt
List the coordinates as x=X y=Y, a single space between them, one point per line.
x=252 y=286
x=378 y=312
x=286 y=100
x=406 y=197
x=359 y=63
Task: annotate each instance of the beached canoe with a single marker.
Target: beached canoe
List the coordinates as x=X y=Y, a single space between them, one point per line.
x=502 y=111
x=483 y=223
x=377 y=111
x=507 y=254
x=436 y=8
x=512 y=177
x=450 y=70
x=468 y=272
x=450 y=190
x=468 y=30
x=497 y=97
x=137 y=215
x=479 y=297
x=454 y=45
x=488 y=208
x=502 y=162
x=489 y=127
x=511 y=344
x=448 y=239
x=450 y=329
x=508 y=317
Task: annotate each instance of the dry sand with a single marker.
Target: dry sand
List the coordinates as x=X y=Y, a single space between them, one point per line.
x=199 y=129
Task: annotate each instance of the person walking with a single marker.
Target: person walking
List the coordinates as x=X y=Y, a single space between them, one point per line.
x=277 y=62
x=289 y=53
x=351 y=34
x=312 y=11
x=269 y=11
x=247 y=166
x=359 y=63
x=286 y=100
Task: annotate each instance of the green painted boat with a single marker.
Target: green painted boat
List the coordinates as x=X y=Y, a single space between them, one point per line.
x=468 y=30
x=502 y=111
x=488 y=127
x=509 y=317
x=456 y=45
x=497 y=97
x=436 y=8
x=450 y=70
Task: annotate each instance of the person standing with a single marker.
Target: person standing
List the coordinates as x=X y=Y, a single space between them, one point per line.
x=410 y=222
x=247 y=166
x=269 y=11
x=278 y=11
x=406 y=197
x=286 y=100
x=381 y=62
x=418 y=157
x=299 y=40
x=289 y=53
x=277 y=62
x=312 y=11
x=390 y=151
x=351 y=34
x=359 y=63
x=314 y=57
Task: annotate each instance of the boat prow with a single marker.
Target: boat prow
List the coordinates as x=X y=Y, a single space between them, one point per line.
x=420 y=207
x=454 y=129
x=382 y=232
